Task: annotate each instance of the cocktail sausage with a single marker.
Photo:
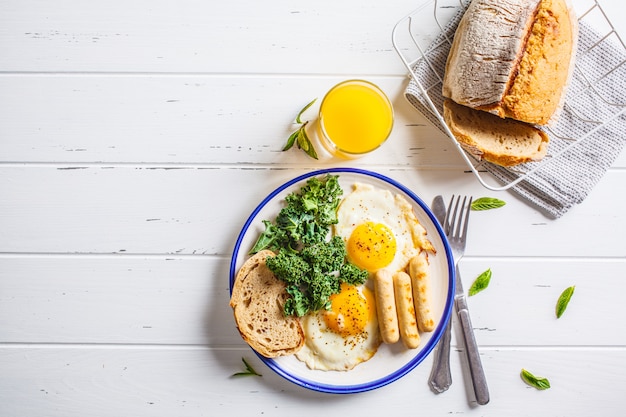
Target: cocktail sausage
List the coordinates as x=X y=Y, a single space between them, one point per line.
x=407 y=322
x=386 y=306
x=420 y=280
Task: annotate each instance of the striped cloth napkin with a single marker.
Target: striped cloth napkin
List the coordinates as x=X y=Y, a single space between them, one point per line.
x=589 y=133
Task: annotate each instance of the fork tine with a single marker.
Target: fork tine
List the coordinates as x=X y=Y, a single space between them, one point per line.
x=466 y=220
x=450 y=217
x=457 y=217
x=460 y=219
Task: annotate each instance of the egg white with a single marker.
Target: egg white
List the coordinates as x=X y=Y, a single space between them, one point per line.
x=367 y=203
x=329 y=351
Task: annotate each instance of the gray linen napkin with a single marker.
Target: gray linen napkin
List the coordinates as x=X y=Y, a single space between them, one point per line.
x=589 y=132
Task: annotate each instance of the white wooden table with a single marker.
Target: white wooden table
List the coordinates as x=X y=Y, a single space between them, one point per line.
x=135 y=139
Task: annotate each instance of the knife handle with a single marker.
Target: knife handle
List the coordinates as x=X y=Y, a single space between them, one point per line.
x=440 y=377
x=471 y=350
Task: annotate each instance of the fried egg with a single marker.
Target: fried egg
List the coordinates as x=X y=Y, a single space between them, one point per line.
x=380 y=229
x=344 y=336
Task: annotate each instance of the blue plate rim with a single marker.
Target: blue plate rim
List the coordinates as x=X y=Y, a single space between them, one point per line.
x=437 y=333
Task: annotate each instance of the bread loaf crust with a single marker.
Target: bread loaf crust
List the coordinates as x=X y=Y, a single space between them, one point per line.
x=538 y=90
x=512 y=58
x=257 y=300
x=487 y=47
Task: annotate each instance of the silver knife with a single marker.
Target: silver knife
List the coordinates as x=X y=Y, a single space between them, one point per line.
x=440 y=377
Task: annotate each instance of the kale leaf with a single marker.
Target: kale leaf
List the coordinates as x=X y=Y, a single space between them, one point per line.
x=312 y=265
x=314 y=274
x=306 y=218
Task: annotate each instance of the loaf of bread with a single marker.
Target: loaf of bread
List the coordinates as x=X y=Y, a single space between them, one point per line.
x=512 y=58
x=505 y=142
x=257 y=300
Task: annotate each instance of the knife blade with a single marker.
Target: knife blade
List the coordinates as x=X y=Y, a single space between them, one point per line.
x=439 y=209
x=440 y=378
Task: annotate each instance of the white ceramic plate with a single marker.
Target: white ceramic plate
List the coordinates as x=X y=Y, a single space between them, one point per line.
x=391 y=362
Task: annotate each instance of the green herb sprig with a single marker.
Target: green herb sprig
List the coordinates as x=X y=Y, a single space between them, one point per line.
x=480 y=283
x=487 y=203
x=300 y=136
x=249 y=370
x=537 y=382
x=563 y=301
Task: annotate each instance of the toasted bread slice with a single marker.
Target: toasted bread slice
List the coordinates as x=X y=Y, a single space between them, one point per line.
x=505 y=142
x=257 y=300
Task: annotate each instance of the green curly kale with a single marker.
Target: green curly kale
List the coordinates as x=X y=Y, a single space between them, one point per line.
x=306 y=218
x=312 y=265
x=314 y=274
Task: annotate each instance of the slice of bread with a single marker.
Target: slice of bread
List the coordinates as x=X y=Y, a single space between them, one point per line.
x=505 y=142
x=257 y=300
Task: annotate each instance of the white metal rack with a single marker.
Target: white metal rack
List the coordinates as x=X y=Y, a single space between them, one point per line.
x=422 y=40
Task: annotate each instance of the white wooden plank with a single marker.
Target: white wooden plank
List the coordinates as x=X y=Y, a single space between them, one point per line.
x=179 y=120
x=93 y=381
x=143 y=209
x=197 y=36
x=133 y=119
x=135 y=300
x=116 y=300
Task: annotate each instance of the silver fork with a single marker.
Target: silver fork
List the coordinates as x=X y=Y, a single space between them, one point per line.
x=455 y=227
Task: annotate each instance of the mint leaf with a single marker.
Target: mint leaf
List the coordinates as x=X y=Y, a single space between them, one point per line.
x=300 y=136
x=481 y=282
x=291 y=140
x=537 y=382
x=563 y=301
x=487 y=203
x=304 y=142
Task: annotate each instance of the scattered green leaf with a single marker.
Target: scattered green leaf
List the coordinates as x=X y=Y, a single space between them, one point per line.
x=534 y=381
x=487 y=203
x=300 y=137
x=249 y=370
x=480 y=283
x=563 y=301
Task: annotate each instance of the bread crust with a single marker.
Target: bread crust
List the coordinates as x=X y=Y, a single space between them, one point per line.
x=257 y=300
x=513 y=58
x=487 y=47
x=536 y=93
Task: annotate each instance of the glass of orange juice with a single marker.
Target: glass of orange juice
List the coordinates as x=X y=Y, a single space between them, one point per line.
x=355 y=118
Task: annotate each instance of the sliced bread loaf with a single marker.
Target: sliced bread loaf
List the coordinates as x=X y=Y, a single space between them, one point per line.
x=513 y=58
x=257 y=300
x=505 y=142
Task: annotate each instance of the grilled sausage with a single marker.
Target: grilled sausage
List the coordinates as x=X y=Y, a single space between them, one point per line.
x=386 y=306
x=406 y=310
x=420 y=280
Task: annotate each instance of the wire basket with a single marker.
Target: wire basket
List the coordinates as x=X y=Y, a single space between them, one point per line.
x=422 y=39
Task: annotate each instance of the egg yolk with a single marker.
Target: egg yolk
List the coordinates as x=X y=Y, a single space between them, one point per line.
x=371 y=246
x=351 y=309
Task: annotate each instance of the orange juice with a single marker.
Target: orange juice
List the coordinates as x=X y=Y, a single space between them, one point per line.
x=355 y=117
